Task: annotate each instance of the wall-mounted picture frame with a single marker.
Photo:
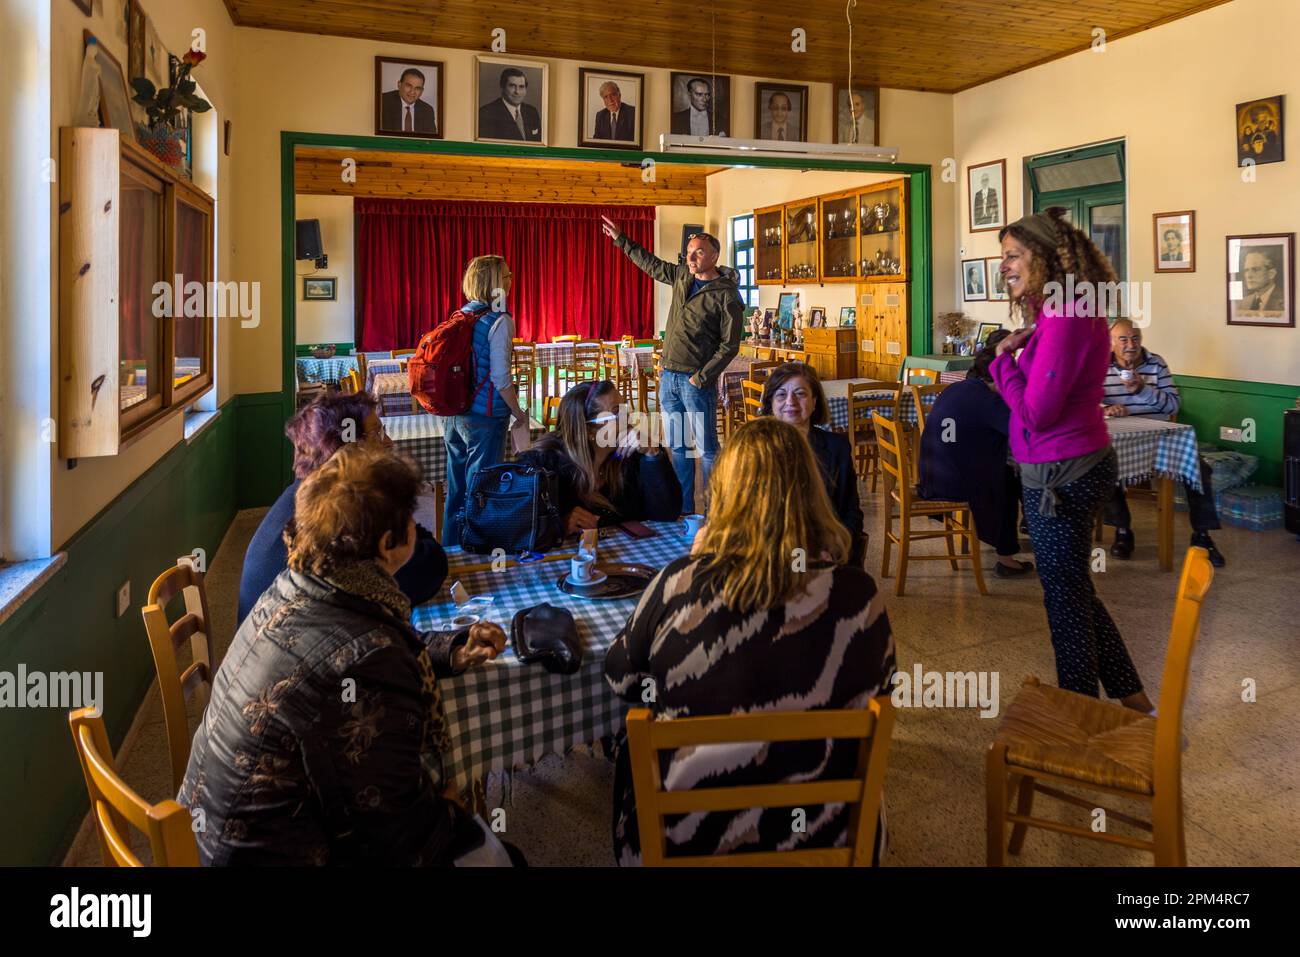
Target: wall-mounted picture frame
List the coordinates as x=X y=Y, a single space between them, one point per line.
x=1260 y=136
x=1175 y=241
x=1261 y=280
x=857 y=118
x=785 y=308
x=513 y=101
x=996 y=285
x=848 y=315
x=985 y=330
x=320 y=288
x=114 y=100
x=986 y=192
x=611 y=111
x=817 y=317
x=701 y=104
x=781 y=112
x=974 y=281
x=408 y=98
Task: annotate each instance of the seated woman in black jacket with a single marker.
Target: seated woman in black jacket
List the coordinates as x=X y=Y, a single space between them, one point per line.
x=605 y=478
x=793 y=393
x=964 y=458
x=314 y=747
x=317 y=431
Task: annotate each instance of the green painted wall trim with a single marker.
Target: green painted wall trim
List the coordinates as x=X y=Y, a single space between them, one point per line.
x=1210 y=403
x=185 y=501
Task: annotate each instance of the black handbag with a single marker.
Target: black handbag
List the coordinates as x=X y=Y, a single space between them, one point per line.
x=512 y=507
x=548 y=635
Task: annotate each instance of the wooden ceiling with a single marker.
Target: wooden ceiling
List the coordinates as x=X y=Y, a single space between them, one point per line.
x=939 y=45
x=318 y=170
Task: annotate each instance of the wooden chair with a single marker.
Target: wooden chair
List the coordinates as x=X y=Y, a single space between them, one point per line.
x=653 y=343
x=765 y=355
x=958 y=522
x=439 y=506
x=628 y=341
x=113 y=806
x=350 y=384
x=922 y=376
x=1051 y=737
x=550 y=412
x=175 y=686
x=751 y=394
x=564 y=338
x=363 y=367
x=759 y=371
x=523 y=369
x=872 y=727
x=919 y=394
x=861 y=434
x=614 y=370
x=398 y=353
x=586 y=360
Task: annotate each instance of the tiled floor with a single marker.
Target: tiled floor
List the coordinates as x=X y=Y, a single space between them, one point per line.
x=1241 y=772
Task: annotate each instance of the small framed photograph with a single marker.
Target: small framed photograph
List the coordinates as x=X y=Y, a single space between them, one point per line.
x=1259 y=132
x=997 y=286
x=785 y=310
x=611 y=112
x=701 y=104
x=513 y=101
x=974 y=286
x=114 y=100
x=986 y=185
x=782 y=112
x=985 y=330
x=320 y=289
x=857 y=117
x=848 y=315
x=408 y=98
x=1175 y=236
x=1261 y=280
x=817 y=317
x=769 y=320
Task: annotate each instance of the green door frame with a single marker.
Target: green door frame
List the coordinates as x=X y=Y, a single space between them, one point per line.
x=919 y=218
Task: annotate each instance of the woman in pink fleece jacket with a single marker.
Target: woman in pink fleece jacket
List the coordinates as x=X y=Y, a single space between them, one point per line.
x=1059 y=437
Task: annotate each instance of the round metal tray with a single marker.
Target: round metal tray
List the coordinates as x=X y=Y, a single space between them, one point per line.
x=622 y=580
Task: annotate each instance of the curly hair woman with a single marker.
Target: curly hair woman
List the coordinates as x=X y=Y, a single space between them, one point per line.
x=1059 y=437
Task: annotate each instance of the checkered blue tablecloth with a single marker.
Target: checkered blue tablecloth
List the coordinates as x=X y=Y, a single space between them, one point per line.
x=378 y=367
x=393 y=390
x=1147 y=447
x=506 y=715
x=838 y=407
x=421 y=437
x=324 y=370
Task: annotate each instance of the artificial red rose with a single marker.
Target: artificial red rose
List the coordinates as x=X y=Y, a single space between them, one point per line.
x=194 y=57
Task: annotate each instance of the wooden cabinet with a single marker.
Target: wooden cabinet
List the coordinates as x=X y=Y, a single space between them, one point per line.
x=769 y=245
x=839 y=236
x=883 y=327
x=832 y=353
x=802 y=264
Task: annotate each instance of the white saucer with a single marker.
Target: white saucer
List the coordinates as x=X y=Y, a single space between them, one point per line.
x=596 y=579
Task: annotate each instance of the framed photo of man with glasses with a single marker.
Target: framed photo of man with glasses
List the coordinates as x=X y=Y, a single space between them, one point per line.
x=1175 y=239
x=1261 y=280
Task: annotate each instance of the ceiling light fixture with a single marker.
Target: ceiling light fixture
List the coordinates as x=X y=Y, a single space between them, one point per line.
x=685 y=143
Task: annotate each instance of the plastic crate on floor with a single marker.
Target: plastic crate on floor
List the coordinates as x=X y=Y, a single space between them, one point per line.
x=1256 y=507
x=1230 y=470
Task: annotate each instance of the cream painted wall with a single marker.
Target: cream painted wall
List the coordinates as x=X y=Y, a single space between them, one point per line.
x=669 y=221
x=78 y=494
x=328 y=321
x=1169 y=93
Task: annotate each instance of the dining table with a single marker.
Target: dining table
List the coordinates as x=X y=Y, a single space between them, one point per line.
x=505 y=715
x=422 y=438
x=837 y=402
x=332 y=369
x=393 y=392
x=1163 y=453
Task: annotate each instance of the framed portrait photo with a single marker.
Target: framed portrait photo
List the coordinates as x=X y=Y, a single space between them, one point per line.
x=785 y=310
x=996 y=285
x=1261 y=280
x=986 y=188
x=781 y=112
x=701 y=104
x=973 y=281
x=769 y=320
x=848 y=315
x=610 y=113
x=1175 y=238
x=408 y=98
x=817 y=317
x=857 y=117
x=985 y=330
x=512 y=97
x=320 y=289
x=114 y=101
x=1259 y=132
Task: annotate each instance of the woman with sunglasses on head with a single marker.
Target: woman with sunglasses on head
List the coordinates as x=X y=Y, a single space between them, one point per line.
x=1058 y=435
x=605 y=478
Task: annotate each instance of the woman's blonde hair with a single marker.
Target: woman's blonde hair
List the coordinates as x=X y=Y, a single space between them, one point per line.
x=483 y=277
x=577 y=434
x=769 y=516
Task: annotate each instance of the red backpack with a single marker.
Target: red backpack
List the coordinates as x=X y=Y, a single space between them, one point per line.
x=441 y=372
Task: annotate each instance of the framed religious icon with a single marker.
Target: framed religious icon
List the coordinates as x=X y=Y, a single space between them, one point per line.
x=997 y=285
x=1259 y=132
x=408 y=98
x=782 y=112
x=611 y=111
x=700 y=104
x=986 y=187
x=857 y=117
x=1175 y=237
x=973 y=280
x=512 y=101
x=1261 y=280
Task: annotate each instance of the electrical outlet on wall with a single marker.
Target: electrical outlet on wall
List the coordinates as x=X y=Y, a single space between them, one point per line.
x=1228 y=434
x=123 y=598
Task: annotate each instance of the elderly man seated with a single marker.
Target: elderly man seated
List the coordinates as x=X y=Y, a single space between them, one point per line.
x=1139 y=383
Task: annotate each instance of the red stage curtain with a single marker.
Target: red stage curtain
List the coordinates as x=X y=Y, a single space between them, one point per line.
x=568 y=277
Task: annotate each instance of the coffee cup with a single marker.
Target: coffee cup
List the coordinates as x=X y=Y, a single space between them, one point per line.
x=693 y=525
x=582 y=569
x=460 y=622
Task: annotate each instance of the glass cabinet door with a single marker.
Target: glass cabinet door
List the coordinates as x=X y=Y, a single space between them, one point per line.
x=840 y=237
x=193 y=258
x=140 y=221
x=880 y=217
x=801 y=240
x=768 y=234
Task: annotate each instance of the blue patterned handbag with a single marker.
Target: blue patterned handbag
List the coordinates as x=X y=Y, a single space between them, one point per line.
x=512 y=507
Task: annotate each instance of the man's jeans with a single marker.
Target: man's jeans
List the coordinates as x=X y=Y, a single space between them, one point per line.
x=1200 y=505
x=473 y=442
x=690 y=422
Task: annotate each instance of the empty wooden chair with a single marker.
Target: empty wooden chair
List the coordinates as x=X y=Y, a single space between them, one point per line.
x=174 y=685
x=921 y=395
x=864 y=399
x=523 y=370
x=615 y=371
x=586 y=360
x=872 y=726
x=363 y=367
x=167 y=825
x=958 y=522
x=759 y=371
x=1050 y=737
x=922 y=376
x=764 y=354
x=398 y=353
x=564 y=338
x=350 y=384
x=550 y=412
x=751 y=395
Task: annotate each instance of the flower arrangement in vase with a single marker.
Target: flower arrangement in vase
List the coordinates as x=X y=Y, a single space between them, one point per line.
x=162 y=137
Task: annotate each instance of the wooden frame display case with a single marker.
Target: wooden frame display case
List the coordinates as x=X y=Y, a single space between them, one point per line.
x=882 y=227
x=802 y=264
x=769 y=245
x=839 y=239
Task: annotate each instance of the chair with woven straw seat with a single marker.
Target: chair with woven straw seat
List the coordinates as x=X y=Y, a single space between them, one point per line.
x=1049 y=737
x=864 y=399
x=872 y=726
x=958 y=521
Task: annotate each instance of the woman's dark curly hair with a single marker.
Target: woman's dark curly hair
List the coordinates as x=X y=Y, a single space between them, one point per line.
x=1073 y=255
x=316 y=431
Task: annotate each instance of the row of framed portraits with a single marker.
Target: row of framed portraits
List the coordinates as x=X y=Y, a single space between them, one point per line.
x=511 y=105
x=981 y=280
